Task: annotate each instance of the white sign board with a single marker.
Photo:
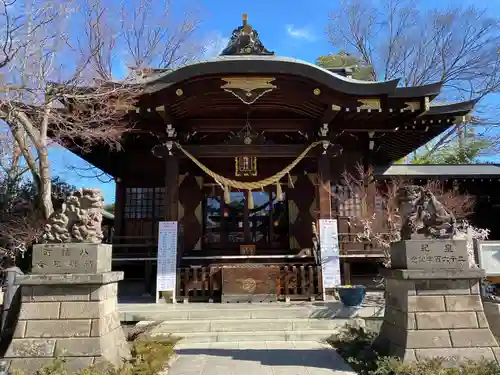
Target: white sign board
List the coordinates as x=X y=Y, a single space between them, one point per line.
x=330 y=253
x=166 y=273
x=489 y=257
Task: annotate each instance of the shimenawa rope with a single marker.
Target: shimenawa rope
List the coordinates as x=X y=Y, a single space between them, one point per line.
x=227 y=183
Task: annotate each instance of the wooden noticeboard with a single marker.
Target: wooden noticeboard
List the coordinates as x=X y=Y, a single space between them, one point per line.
x=166 y=274
x=330 y=253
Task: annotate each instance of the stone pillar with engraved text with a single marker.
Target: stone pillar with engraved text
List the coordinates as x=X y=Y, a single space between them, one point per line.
x=433 y=304
x=69 y=301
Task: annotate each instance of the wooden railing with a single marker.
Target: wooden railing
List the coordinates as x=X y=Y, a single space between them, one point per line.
x=300 y=282
x=199 y=284
x=134 y=246
x=202 y=284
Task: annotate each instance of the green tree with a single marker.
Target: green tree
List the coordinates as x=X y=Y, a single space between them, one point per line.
x=342 y=59
x=465 y=148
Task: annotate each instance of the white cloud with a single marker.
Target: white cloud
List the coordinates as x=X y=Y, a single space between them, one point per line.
x=215 y=46
x=300 y=33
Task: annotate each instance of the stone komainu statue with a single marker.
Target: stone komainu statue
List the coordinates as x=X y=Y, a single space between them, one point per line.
x=78 y=220
x=422 y=215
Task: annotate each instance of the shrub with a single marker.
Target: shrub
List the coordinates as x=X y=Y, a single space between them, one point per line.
x=149 y=357
x=435 y=366
x=354 y=344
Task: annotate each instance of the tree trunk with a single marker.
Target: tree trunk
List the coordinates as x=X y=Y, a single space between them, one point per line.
x=45 y=188
x=45 y=193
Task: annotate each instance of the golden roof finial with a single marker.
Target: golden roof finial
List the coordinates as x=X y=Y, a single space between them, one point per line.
x=244 y=17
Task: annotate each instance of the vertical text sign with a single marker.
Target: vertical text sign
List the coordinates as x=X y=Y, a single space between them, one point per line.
x=166 y=273
x=329 y=247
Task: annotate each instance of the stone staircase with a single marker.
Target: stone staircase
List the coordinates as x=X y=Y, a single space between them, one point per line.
x=205 y=323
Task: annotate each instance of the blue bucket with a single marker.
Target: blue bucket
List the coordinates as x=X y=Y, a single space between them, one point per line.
x=352 y=296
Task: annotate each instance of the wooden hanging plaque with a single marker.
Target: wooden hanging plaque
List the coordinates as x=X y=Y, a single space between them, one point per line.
x=245 y=166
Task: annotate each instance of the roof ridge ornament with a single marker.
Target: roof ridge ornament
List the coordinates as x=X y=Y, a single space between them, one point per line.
x=245 y=41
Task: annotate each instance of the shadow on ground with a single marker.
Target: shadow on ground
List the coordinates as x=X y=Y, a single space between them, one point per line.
x=314 y=358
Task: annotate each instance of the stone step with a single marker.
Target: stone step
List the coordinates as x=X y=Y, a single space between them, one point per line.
x=247 y=325
x=209 y=337
x=153 y=312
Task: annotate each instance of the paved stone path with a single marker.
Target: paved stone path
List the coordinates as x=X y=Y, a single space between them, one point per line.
x=263 y=358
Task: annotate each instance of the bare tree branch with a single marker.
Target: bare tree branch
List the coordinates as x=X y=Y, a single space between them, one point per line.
x=457 y=45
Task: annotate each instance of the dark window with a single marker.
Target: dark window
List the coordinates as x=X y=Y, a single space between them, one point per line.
x=144 y=203
x=224 y=223
x=212 y=220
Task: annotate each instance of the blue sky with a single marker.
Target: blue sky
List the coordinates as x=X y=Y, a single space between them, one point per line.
x=294 y=28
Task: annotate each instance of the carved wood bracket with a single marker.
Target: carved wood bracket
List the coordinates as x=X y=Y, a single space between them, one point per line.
x=248 y=89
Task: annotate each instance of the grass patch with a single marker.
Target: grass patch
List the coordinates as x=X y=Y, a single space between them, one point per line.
x=355 y=345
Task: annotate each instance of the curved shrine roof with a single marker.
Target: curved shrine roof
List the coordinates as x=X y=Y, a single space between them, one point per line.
x=245 y=54
x=406 y=115
x=270 y=64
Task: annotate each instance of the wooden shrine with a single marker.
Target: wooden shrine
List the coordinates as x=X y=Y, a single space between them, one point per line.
x=246 y=116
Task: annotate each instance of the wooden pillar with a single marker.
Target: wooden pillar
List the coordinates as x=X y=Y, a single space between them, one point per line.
x=371 y=186
x=172 y=191
x=246 y=219
x=119 y=208
x=171 y=205
x=324 y=187
x=223 y=221
x=171 y=188
x=347 y=272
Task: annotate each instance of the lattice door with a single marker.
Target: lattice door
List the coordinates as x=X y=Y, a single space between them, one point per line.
x=302 y=205
x=191 y=211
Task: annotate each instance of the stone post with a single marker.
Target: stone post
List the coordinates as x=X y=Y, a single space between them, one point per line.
x=433 y=304
x=68 y=309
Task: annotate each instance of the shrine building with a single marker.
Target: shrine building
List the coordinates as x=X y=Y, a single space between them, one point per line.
x=243 y=151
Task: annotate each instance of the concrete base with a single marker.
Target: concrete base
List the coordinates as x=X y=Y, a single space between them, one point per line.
x=73 y=316
x=435 y=314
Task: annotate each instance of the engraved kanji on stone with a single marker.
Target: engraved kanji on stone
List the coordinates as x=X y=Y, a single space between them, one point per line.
x=73 y=263
x=87 y=264
x=84 y=252
x=448 y=248
x=424 y=247
x=461 y=259
x=437 y=258
x=47 y=252
x=56 y=263
x=65 y=252
x=41 y=264
x=414 y=259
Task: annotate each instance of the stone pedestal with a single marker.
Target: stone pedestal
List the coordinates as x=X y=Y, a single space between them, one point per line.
x=435 y=313
x=70 y=315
